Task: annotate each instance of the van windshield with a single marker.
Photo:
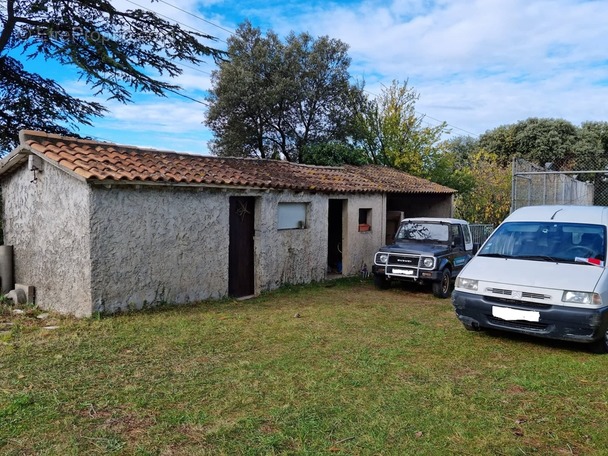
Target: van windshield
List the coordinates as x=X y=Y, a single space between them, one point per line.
x=543 y=241
x=422 y=231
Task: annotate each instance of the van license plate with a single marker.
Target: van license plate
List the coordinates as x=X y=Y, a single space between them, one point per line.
x=506 y=313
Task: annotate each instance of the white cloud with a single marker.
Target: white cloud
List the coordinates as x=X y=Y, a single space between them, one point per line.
x=171 y=123
x=476 y=64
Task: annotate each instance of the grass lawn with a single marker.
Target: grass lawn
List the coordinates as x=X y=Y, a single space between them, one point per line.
x=334 y=368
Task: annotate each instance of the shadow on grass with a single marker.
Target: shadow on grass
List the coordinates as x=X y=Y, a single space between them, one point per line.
x=526 y=339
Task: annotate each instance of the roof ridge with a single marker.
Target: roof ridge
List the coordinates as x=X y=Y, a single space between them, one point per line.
x=97 y=161
x=26 y=135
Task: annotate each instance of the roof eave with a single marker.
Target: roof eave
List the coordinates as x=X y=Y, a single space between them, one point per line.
x=20 y=155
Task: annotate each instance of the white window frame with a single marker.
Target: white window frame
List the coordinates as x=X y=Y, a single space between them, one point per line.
x=292 y=216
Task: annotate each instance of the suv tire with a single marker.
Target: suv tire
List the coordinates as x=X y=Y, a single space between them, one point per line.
x=442 y=289
x=381 y=281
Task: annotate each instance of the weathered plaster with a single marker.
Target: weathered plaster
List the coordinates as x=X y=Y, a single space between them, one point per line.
x=359 y=247
x=154 y=244
x=47 y=223
x=290 y=256
x=93 y=247
x=157 y=244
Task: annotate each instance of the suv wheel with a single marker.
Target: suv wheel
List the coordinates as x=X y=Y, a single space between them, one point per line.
x=381 y=281
x=441 y=289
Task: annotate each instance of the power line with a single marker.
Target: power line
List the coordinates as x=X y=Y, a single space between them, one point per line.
x=450 y=125
x=195 y=69
x=432 y=118
x=179 y=22
x=204 y=103
x=231 y=32
x=197 y=17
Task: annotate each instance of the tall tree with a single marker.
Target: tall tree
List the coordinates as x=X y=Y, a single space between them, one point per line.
x=462 y=147
x=333 y=154
x=273 y=99
x=490 y=199
x=592 y=146
x=115 y=52
x=450 y=166
x=393 y=134
x=539 y=140
x=592 y=155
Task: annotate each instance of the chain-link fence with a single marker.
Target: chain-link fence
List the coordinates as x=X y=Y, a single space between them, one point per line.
x=534 y=185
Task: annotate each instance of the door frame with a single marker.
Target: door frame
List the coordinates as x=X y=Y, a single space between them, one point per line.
x=241 y=259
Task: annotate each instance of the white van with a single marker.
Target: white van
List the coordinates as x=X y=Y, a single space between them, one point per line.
x=542 y=272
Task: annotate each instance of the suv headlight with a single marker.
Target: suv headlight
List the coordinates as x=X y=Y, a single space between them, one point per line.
x=381 y=258
x=581 y=297
x=428 y=262
x=467 y=284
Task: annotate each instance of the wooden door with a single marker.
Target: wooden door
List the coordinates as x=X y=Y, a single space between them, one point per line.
x=240 y=251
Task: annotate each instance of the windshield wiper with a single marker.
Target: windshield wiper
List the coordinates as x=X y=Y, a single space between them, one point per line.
x=494 y=255
x=538 y=258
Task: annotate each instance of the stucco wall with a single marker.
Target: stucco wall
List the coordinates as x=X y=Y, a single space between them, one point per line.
x=154 y=244
x=157 y=244
x=89 y=248
x=47 y=223
x=295 y=255
x=359 y=247
x=300 y=256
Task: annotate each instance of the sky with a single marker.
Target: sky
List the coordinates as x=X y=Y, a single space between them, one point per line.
x=475 y=64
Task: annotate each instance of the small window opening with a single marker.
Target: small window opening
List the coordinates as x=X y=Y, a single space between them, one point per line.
x=365 y=219
x=292 y=216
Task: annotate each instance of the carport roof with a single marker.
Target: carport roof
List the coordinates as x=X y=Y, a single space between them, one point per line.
x=103 y=162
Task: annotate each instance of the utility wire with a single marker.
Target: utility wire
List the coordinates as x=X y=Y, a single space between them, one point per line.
x=231 y=32
x=178 y=22
x=424 y=116
x=204 y=103
x=197 y=17
x=195 y=69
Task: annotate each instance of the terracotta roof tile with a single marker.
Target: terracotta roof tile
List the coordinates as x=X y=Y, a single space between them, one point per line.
x=99 y=161
x=83 y=173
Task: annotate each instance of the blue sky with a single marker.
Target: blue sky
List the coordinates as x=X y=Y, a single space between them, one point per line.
x=476 y=64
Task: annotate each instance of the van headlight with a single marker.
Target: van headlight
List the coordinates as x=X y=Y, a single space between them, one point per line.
x=467 y=284
x=428 y=262
x=581 y=297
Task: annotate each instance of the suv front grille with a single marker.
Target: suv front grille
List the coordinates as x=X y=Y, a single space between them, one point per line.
x=402 y=260
x=403 y=266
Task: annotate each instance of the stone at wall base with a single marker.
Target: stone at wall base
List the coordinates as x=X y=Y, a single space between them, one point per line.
x=17 y=296
x=22 y=294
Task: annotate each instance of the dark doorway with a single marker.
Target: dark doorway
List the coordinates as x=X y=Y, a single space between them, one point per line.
x=334 y=236
x=240 y=251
